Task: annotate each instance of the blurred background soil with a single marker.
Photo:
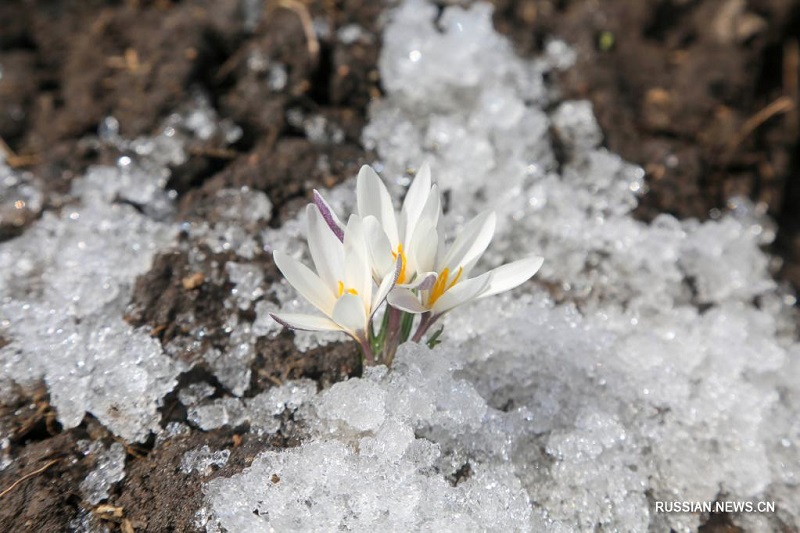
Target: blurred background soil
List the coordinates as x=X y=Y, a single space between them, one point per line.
x=701 y=93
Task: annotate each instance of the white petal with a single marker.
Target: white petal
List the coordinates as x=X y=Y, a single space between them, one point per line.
x=305 y=322
x=440 y=247
x=350 y=314
x=471 y=242
x=380 y=250
x=357 y=269
x=326 y=249
x=422 y=248
x=432 y=209
x=387 y=283
x=402 y=236
x=354 y=239
x=416 y=198
x=306 y=282
x=424 y=233
x=461 y=293
x=373 y=199
x=507 y=277
x=422 y=282
x=329 y=215
x=422 y=229
x=405 y=300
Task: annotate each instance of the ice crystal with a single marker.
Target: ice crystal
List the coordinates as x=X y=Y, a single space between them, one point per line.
x=203 y=461
x=109 y=469
x=660 y=362
x=66 y=282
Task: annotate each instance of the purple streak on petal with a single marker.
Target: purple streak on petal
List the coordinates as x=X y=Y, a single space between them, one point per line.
x=398 y=267
x=328 y=216
x=281 y=322
x=287 y=325
x=427 y=283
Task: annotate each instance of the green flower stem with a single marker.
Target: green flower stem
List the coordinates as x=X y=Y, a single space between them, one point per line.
x=405 y=327
x=377 y=341
x=427 y=321
x=433 y=340
x=392 y=338
x=395 y=329
x=366 y=351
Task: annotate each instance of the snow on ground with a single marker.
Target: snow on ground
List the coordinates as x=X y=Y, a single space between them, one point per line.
x=666 y=371
x=65 y=284
x=649 y=362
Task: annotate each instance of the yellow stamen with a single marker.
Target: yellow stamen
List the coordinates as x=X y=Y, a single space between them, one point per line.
x=348 y=291
x=455 y=279
x=441 y=286
x=401 y=278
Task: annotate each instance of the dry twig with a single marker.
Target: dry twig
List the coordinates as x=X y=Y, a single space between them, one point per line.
x=791 y=84
x=308 y=27
x=14 y=160
x=781 y=105
x=28 y=476
x=44 y=411
x=216 y=153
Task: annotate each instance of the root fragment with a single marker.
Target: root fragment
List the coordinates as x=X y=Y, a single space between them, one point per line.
x=28 y=476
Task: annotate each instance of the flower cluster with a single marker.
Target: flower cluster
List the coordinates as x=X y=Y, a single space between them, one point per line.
x=403 y=259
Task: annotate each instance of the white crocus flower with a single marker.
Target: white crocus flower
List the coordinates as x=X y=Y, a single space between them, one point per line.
x=453 y=285
x=341 y=287
x=391 y=236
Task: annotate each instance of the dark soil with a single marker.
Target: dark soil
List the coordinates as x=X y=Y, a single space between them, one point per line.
x=67 y=66
x=49 y=500
x=154 y=496
x=701 y=93
x=675 y=84
x=142 y=495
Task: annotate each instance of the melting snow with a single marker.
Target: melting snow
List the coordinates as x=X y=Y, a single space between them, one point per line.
x=661 y=365
x=649 y=362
